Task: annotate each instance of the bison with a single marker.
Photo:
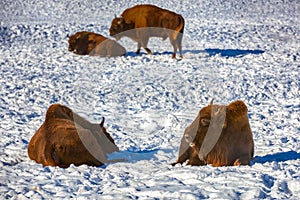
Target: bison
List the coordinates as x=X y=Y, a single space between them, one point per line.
x=219 y=136
x=89 y=43
x=66 y=138
x=143 y=21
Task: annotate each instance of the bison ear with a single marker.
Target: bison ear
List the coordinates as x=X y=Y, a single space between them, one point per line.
x=102 y=122
x=204 y=122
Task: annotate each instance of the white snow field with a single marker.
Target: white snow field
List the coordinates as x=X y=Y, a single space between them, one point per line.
x=234 y=49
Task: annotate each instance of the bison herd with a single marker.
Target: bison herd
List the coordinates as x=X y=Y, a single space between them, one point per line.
x=219 y=136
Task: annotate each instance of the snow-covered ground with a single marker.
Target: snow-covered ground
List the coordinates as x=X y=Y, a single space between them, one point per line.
x=248 y=50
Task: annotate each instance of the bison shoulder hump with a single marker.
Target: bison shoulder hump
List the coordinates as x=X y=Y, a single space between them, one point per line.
x=237 y=109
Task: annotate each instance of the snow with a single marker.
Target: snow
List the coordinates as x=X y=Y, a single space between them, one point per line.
x=246 y=50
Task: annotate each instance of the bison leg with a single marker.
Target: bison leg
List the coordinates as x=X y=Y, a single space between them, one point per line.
x=174 y=54
x=139 y=45
x=144 y=38
x=174 y=44
x=148 y=50
x=245 y=160
x=194 y=156
x=180 y=50
x=182 y=158
x=179 y=45
x=139 y=49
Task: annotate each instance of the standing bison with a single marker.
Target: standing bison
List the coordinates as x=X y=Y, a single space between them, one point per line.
x=220 y=136
x=144 y=21
x=89 y=43
x=66 y=138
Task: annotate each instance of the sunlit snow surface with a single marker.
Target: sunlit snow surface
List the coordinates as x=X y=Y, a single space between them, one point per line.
x=248 y=50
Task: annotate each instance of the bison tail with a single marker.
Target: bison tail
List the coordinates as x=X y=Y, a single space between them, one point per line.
x=180 y=28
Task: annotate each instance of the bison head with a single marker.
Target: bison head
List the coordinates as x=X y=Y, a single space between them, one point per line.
x=78 y=43
x=119 y=25
x=212 y=123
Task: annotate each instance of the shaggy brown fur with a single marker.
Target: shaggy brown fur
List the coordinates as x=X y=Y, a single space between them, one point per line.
x=66 y=138
x=89 y=43
x=235 y=145
x=143 y=21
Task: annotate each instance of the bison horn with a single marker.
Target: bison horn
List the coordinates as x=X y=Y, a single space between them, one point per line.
x=212 y=101
x=102 y=122
x=115 y=16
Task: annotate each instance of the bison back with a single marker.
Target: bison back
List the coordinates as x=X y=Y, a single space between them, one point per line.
x=147 y=15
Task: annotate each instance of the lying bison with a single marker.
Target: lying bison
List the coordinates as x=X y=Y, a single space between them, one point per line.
x=66 y=138
x=220 y=136
x=143 y=21
x=89 y=43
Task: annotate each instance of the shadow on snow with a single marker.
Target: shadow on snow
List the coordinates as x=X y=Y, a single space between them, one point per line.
x=232 y=52
x=132 y=157
x=225 y=52
x=278 y=157
x=211 y=52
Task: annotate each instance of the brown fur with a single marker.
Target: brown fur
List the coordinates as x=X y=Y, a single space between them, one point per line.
x=59 y=140
x=144 y=21
x=89 y=43
x=235 y=145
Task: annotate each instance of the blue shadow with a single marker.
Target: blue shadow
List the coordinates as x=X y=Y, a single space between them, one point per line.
x=135 y=156
x=211 y=52
x=232 y=52
x=134 y=54
x=277 y=157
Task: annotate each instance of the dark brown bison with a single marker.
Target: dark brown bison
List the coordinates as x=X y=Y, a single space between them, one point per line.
x=143 y=21
x=66 y=138
x=220 y=136
x=89 y=43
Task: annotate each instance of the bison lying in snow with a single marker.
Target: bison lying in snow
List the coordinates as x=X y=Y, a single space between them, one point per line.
x=66 y=138
x=220 y=136
x=88 y=43
x=143 y=21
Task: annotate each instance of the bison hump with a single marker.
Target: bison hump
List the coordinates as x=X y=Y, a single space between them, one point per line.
x=237 y=110
x=135 y=13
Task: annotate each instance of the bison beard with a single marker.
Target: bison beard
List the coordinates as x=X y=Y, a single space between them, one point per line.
x=66 y=138
x=144 y=21
x=220 y=136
